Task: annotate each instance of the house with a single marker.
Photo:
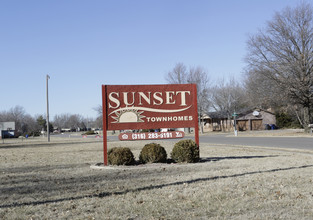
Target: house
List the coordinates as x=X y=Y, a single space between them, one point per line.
x=217 y=121
x=7 y=129
x=258 y=119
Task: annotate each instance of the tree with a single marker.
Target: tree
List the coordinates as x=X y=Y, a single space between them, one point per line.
x=196 y=75
x=24 y=123
x=30 y=126
x=178 y=75
x=72 y=121
x=261 y=92
x=228 y=97
x=42 y=123
x=283 y=53
x=60 y=121
x=99 y=119
x=17 y=115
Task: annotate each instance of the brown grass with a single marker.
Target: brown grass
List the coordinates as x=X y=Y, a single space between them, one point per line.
x=54 y=180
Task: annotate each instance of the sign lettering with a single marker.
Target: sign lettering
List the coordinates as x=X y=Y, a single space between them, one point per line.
x=150 y=106
x=151 y=135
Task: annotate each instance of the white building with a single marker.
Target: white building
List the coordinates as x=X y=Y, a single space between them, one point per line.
x=7 y=129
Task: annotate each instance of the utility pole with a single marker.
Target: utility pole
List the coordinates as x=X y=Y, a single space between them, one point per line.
x=48 y=132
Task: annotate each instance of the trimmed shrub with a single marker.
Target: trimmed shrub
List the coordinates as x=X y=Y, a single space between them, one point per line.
x=120 y=156
x=185 y=151
x=153 y=153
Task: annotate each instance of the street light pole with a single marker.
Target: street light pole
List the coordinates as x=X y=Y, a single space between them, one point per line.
x=48 y=132
x=235 y=124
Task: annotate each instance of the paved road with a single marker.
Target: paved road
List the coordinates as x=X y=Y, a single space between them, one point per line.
x=280 y=142
x=305 y=143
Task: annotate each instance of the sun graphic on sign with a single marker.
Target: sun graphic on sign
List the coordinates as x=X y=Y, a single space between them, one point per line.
x=128 y=116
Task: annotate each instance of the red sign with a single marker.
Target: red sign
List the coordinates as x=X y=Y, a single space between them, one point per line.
x=151 y=135
x=149 y=107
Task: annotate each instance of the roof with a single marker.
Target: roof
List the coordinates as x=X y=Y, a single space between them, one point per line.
x=255 y=114
x=217 y=115
x=242 y=115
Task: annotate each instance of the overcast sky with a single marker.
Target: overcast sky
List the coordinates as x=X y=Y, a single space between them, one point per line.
x=84 y=44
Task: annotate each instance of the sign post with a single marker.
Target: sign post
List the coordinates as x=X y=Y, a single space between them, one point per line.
x=105 y=126
x=149 y=107
x=311 y=128
x=235 y=123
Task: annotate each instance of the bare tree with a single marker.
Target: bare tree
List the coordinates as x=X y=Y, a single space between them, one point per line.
x=30 y=126
x=60 y=121
x=199 y=76
x=178 y=75
x=70 y=121
x=283 y=53
x=262 y=92
x=99 y=121
x=24 y=123
x=74 y=122
x=196 y=75
x=228 y=97
x=17 y=115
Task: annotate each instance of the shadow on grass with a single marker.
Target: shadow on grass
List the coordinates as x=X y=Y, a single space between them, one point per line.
x=160 y=186
x=45 y=168
x=210 y=159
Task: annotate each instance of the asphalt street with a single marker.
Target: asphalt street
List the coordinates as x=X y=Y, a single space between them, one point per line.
x=304 y=143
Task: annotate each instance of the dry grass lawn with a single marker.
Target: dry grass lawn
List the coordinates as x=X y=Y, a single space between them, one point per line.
x=40 y=180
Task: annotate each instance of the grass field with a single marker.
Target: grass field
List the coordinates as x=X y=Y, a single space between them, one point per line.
x=40 y=180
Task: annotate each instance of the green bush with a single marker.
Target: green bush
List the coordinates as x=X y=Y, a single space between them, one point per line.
x=285 y=120
x=153 y=153
x=120 y=156
x=185 y=151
